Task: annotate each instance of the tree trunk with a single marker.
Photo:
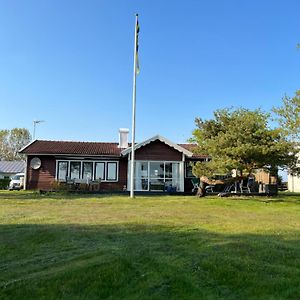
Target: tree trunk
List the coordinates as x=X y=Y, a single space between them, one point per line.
x=201 y=189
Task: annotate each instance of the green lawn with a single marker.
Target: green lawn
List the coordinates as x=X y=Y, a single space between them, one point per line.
x=170 y=247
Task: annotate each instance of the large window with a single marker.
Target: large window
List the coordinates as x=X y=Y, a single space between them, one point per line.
x=87 y=170
x=156 y=176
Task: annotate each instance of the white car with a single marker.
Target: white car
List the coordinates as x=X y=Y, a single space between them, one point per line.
x=17 y=182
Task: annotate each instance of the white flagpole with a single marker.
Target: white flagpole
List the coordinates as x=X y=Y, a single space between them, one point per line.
x=133 y=112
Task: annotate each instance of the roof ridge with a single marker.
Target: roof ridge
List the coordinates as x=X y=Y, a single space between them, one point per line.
x=83 y=142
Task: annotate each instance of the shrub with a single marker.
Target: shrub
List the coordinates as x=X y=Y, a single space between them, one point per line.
x=4 y=182
x=59 y=186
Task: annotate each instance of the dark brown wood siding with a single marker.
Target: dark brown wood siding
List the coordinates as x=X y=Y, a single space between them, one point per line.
x=158 y=150
x=188 y=186
x=42 y=178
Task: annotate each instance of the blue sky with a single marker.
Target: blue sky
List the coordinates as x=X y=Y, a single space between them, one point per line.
x=70 y=63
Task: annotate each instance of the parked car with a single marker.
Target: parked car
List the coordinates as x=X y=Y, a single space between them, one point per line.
x=17 y=182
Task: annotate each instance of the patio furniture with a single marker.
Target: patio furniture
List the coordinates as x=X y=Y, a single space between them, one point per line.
x=210 y=188
x=70 y=183
x=157 y=186
x=229 y=188
x=94 y=186
x=170 y=189
x=195 y=182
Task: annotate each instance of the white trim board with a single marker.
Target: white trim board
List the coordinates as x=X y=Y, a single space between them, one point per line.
x=26 y=146
x=162 y=139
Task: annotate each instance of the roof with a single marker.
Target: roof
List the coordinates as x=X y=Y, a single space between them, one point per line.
x=192 y=148
x=98 y=148
x=76 y=148
x=12 y=166
x=164 y=140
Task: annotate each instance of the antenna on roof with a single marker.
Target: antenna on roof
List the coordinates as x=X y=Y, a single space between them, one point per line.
x=34 y=127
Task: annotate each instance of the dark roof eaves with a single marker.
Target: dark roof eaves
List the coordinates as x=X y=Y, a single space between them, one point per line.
x=26 y=146
x=74 y=154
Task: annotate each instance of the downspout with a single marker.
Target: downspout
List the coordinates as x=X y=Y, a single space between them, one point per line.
x=182 y=173
x=25 y=173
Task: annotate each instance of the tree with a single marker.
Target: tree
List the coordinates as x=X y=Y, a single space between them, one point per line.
x=240 y=139
x=11 y=141
x=289 y=115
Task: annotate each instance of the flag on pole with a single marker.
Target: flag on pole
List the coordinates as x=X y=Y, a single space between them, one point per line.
x=137 y=47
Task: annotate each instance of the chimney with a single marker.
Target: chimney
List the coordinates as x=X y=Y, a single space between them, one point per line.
x=123 y=137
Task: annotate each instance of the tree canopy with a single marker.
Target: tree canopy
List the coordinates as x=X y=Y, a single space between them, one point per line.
x=289 y=115
x=240 y=139
x=11 y=141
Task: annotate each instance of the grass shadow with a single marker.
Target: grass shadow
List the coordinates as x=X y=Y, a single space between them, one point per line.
x=145 y=262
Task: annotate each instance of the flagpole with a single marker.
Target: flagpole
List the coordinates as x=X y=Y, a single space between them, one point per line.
x=133 y=111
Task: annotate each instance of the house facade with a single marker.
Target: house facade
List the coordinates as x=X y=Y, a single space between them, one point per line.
x=160 y=165
x=294 y=183
x=294 y=179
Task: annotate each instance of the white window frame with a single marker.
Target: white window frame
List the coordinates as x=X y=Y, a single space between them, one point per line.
x=81 y=168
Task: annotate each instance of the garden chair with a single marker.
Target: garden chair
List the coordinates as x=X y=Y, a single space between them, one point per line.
x=195 y=183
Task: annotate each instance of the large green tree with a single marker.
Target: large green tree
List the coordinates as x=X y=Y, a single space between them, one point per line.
x=240 y=139
x=289 y=115
x=11 y=141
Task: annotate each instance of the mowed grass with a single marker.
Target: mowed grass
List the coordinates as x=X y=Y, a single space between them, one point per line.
x=167 y=247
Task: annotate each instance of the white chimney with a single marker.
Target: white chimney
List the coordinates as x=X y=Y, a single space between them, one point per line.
x=123 y=137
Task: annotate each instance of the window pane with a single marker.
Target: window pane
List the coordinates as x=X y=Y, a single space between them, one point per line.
x=175 y=170
x=62 y=171
x=157 y=185
x=168 y=170
x=189 y=170
x=141 y=184
x=141 y=169
x=75 y=169
x=111 y=171
x=172 y=185
x=87 y=170
x=141 y=176
x=156 y=170
x=99 y=170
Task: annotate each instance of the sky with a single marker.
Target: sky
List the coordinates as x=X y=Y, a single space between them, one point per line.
x=70 y=63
